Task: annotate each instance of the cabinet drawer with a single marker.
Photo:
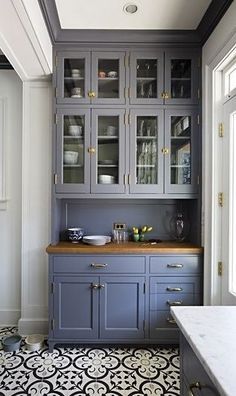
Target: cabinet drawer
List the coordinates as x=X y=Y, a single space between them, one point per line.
x=164 y=302
x=175 y=285
x=162 y=320
x=99 y=264
x=175 y=265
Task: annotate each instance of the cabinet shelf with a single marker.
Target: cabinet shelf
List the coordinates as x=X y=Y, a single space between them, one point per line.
x=181 y=78
x=146 y=137
x=72 y=166
x=106 y=79
x=74 y=137
x=73 y=78
x=180 y=166
x=145 y=166
x=146 y=78
x=107 y=166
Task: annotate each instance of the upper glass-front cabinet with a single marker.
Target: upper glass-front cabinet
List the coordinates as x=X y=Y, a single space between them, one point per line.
x=108 y=151
x=82 y=80
x=181 y=151
x=146 y=160
x=146 y=78
x=73 y=161
x=181 y=77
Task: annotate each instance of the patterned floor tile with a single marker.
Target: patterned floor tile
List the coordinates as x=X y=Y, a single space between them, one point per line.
x=89 y=371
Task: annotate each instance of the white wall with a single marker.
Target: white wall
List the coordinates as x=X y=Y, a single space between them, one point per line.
x=215 y=49
x=10 y=216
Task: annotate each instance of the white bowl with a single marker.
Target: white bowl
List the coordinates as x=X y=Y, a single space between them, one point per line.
x=106 y=179
x=96 y=239
x=112 y=74
x=34 y=342
x=70 y=157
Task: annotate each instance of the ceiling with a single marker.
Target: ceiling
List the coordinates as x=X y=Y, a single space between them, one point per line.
x=151 y=14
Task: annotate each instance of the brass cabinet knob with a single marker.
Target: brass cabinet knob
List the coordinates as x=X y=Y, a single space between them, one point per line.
x=166 y=95
x=174 y=289
x=91 y=150
x=165 y=150
x=173 y=303
x=91 y=94
x=97 y=265
x=163 y=95
x=174 y=265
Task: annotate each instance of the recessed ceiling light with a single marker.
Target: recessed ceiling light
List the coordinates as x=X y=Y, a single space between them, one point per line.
x=130 y=8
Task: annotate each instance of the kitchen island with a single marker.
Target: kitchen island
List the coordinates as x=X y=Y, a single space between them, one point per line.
x=208 y=333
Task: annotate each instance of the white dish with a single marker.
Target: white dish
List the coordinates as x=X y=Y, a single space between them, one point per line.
x=76 y=96
x=97 y=240
x=70 y=157
x=106 y=179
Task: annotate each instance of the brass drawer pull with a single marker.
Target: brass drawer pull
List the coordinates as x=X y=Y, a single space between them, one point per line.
x=195 y=385
x=170 y=320
x=170 y=303
x=97 y=265
x=173 y=289
x=174 y=265
x=94 y=286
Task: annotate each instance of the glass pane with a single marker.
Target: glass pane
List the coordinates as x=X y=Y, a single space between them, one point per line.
x=74 y=77
x=180 y=150
x=73 y=149
x=108 y=78
x=181 y=78
x=232 y=80
x=108 y=150
x=146 y=78
x=146 y=150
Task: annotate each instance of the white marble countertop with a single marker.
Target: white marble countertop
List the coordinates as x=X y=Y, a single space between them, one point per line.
x=211 y=332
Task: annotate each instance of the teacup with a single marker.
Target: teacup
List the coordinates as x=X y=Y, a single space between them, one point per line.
x=75 y=130
x=75 y=234
x=102 y=74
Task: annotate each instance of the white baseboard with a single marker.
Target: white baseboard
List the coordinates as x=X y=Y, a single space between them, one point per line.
x=33 y=326
x=9 y=317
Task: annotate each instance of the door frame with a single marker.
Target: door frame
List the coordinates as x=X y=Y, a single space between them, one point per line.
x=211 y=160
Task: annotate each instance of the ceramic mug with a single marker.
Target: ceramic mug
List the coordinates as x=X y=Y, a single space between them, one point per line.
x=75 y=130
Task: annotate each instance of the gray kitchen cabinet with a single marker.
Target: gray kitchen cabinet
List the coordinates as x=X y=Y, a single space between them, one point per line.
x=194 y=381
x=90 y=153
x=177 y=282
x=164 y=158
x=90 y=77
x=182 y=77
x=146 y=77
x=165 y=77
x=85 y=304
x=119 y=298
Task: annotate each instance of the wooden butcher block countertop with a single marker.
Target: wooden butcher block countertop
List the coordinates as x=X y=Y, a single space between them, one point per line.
x=125 y=248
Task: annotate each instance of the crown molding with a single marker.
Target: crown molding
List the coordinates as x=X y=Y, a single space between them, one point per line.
x=197 y=37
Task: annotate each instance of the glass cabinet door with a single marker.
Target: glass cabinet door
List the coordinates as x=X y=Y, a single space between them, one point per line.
x=108 y=77
x=73 y=161
x=146 y=78
x=108 y=151
x=73 y=78
x=181 y=78
x=146 y=142
x=180 y=151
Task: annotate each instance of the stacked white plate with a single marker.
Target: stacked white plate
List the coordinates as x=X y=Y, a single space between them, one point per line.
x=96 y=239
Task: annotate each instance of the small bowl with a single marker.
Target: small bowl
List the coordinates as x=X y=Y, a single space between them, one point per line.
x=34 y=342
x=112 y=74
x=75 y=130
x=75 y=234
x=11 y=343
x=70 y=157
x=106 y=179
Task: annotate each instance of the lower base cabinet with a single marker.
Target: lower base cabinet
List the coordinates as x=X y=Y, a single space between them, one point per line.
x=119 y=299
x=194 y=381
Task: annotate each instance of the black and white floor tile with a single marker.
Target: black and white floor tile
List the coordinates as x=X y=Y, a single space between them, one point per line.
x=80 y=371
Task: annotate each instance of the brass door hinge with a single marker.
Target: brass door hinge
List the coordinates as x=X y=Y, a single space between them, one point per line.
x=220 y=268
x=221 y=199
x=56 y=61
x=144 y=288
x=55 y=118
x=198 y=119
x=55 y=178
x=221 y=129
x=198 y=179
x=52 y=324
x=52 y=288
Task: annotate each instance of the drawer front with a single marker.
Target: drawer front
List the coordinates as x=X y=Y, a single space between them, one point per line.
x=162 y=320
x=175 y=265
x=163 y=302
x=99 y=264
x=175 y=285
